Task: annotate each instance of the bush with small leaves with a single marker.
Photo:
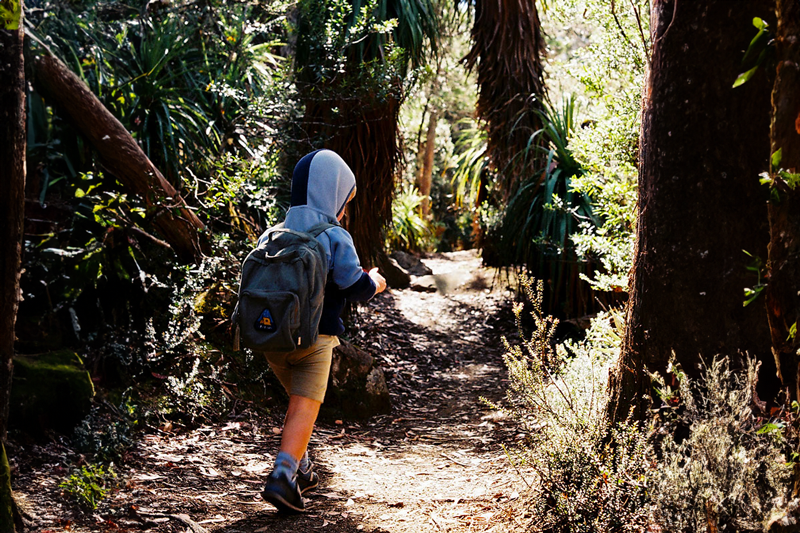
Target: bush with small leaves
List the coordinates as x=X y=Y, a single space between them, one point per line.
x=89 y=485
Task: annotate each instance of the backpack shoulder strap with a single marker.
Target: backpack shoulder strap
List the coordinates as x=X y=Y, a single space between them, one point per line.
x=316 y=231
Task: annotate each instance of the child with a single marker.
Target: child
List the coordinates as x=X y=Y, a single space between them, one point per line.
x=322 y=185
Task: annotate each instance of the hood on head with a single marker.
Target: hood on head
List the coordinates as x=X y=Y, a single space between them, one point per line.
x=322 y=183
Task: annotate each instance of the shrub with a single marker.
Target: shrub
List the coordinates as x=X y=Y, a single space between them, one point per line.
x=587 y=478
x=731 y=469
x=89 y=485
x=104 y=436
x=705 y=462
x=409 y=230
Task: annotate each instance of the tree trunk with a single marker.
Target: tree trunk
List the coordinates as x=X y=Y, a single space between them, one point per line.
x=121 y=156
x=8 y=511
x=508 y=47
x=426 y=177
x=702 y=148
x=363 y=130
x=12 y=203
x=783 y=289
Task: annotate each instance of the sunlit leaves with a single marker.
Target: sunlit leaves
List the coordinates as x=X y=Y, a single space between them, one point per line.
x=10 y=14
x=759 y=51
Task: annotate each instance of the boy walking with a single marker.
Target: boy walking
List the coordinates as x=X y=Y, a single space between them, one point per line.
x=322 y=185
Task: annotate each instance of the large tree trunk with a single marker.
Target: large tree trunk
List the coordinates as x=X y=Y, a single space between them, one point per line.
x=702 y=148
x=121 y=155
x=12 y=203
x=783 y=290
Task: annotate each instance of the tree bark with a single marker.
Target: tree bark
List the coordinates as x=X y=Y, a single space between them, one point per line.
x=426 y=177
x=8 y=511
x=363 y=130
x=12 y=204
x=121 y=155
x=783 y=289
x=702 y=148
x=507 y=51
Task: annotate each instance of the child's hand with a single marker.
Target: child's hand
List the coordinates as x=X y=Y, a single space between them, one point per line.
x=379 y=280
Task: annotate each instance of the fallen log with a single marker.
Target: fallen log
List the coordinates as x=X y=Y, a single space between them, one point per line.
x=120 y=155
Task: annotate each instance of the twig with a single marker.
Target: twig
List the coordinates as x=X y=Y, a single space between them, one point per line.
x=455 y=461
x=641 y=32
x=184 y=519
x=432 y=519
x=510 y=460
x=619 y=24
x=674 y=14
x=155 y=240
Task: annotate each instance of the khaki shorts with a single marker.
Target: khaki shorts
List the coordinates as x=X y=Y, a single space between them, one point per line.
x=305 y=372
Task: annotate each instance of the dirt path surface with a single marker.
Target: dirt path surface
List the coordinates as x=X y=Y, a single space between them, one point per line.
x=435 y=464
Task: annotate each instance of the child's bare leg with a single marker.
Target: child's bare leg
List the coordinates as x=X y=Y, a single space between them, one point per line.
x=299 y=424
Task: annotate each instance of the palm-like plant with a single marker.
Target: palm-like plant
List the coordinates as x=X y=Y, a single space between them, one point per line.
x=182 y=82
x=471 y=163
x=508 y=46
x=545 y=211
x=351 y=68
x=409 y=230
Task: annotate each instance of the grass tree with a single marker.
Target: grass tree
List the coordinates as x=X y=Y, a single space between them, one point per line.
x=507 y=51
x=352 y=68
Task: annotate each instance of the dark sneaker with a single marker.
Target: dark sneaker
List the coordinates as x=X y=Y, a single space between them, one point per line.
x=307 y=481
x=284 y=494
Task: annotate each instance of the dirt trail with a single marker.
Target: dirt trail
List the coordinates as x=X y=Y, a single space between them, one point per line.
x=435 y=464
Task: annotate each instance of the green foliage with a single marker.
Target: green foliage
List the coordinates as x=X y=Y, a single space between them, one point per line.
x=200 y=89
x=760 y=51
x=10 y=14
x=443 y=89
x=470 y=162
x=334 y=36
x=188 y=396
x=89 y=485
x=731 y=470
x=587 y=479
x=188 y=84
x=409 y=230
x=602 y=60
x=705 y=461
x=757 y=267
x=175 y=346
x=546 y=211
x=779 y=176
x=105 y=436
x=611 y=243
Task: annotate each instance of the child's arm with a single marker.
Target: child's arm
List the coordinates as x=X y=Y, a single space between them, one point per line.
x=354 y=282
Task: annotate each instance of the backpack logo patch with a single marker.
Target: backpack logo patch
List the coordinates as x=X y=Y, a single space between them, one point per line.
x=265 y=321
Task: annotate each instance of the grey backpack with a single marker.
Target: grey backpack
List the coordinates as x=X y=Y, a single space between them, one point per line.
x=281 y=291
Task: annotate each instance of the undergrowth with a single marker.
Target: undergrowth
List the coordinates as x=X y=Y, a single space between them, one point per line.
x=704 y=462
x=89 y=485
x=730 y=472
x=585 y=480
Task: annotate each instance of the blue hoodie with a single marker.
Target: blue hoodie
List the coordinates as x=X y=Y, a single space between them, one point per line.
x=322 y=184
